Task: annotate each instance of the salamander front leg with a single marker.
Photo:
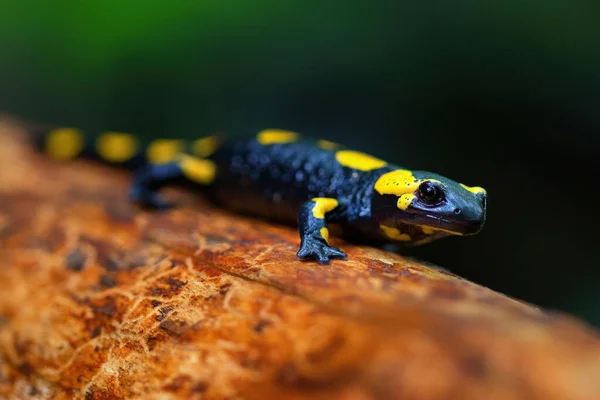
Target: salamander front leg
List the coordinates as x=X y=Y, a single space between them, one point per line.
x=148 y=180
x=314 y=234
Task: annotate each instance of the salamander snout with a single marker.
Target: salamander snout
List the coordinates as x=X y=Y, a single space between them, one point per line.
x=482 y=197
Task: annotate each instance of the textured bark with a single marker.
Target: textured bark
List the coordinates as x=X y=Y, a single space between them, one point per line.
x=101 y=300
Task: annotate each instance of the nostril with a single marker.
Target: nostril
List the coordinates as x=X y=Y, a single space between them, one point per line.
x=457 y=211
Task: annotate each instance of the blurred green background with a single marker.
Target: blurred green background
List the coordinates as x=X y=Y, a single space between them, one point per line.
x=504 y=95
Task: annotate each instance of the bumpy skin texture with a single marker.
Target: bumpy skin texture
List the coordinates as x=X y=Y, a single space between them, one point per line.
x=275 y=180
x=101 y=301
x=278 y=175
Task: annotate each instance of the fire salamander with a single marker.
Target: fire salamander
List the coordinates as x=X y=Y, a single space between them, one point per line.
x=281 y=176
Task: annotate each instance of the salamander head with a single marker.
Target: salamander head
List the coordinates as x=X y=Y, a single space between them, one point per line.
x=421 y=206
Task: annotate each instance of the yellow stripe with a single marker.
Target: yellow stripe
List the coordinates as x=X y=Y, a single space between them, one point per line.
x=430 y=230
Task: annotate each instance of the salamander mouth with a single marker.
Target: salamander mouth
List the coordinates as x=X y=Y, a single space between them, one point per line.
x=457 y=227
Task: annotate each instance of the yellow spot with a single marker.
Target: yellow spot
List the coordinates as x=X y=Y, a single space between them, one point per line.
x=116 y=147
x=394 y=233
x=198 y=170
x=205 y=147
x=404 y=201
x=358 y=160
x=274 y=136
x=430 y=230
x=401 y=183
x=474 y=189
x=397 y=182
x=164 y=151
x=323 y=205
x=325 y=234
x=64 y=143
x=327 y=145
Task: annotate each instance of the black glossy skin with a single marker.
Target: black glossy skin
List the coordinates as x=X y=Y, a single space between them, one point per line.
x=278 y=181
x=275 y=180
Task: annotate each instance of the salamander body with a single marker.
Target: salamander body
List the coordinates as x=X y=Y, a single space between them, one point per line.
x=279 y=175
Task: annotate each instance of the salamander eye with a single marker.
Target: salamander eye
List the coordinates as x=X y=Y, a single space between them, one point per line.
x=430 y=193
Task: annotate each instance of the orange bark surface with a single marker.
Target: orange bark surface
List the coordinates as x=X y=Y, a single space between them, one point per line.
x=102 y=300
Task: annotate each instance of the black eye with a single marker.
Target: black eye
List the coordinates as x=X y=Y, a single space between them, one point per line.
x=430 y=193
